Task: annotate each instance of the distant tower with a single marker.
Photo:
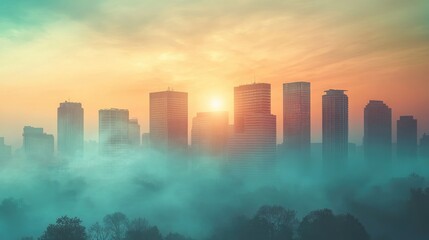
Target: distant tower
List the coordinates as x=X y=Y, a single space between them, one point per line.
x=37 y=144
x=377 y=132
x=407 y=137
x=296 y=117
x=335 y=127
x=5 y=150
x=169 y=120
x=424 y=147
x=70 y=129
x=253 y=142
x=113 y=131
x=134 y=132
x=210 y=133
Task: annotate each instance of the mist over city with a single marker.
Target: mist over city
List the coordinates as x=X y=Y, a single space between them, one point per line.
x=214 y=120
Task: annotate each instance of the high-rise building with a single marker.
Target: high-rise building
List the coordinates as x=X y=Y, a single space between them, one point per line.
x=113 y=131
x=377 y=132
x=210 y=133
x=424 y=147
x=5 y=150
x=407 y=137
x=37 y=144
x=253 y=142
x=296 y=117
x=70 y=129
x=134 y=132
x=335 y=126
x=169 y=120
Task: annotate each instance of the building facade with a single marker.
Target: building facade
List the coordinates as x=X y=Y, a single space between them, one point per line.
x=113 y=131
x=134 y=133
x=169 y=120
x=37 y=145
x=407 y=137
x=377 y=140
x=335 y=125
x=210 y=133
x=253 y=141
x=70 y=129
x=296 y=117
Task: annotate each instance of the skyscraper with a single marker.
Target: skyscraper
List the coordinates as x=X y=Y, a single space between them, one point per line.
x=70 y=129
x=169 y=120
x=296 y=117
x=335 y=126
x=253 y=142
x=5 y=150
x=424 y=147
x=377 y=132
x=134 y=132
x=113 y=131
x=210 y=133
x=37 y=144
x=407 y=137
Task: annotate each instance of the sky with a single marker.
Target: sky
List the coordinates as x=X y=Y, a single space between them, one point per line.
x=113 y=53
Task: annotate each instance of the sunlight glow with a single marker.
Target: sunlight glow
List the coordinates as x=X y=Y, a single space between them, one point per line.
x=216 y=104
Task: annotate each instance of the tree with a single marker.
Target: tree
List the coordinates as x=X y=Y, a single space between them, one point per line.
x=98 y=232
x=136 y=229
x=418 y=210
x=280 y=222
x=324 y=225
x=116 y=225
x=65 y=228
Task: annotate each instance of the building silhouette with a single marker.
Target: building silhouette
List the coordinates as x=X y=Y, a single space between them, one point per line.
x=113 y=131
x=407 y=137
x=70 y=129
x=253 y=141
x=210 y=133
x=169 y=120
x=335 y=126
x=377 y=132
x=5 y=150
x=424 y=147
x=134 y=133
x=296 y=117
x=37 y=145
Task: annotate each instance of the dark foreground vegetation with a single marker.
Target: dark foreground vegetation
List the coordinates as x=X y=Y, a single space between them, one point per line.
x=410 y=220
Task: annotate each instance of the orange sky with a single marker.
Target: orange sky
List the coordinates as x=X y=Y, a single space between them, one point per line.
x=113 y=53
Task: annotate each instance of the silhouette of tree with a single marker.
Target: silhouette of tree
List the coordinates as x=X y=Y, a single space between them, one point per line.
x=116 y=225
x=65 y=228
x=279 y=221
x=98 y=232
x=324 y=225
x=418 y=210
x=137 y=229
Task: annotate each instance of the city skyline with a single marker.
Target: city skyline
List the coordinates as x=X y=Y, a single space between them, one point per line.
x=216 y=106
x=105 y=54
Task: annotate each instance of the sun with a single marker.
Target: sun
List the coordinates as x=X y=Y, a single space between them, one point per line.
x=215 y=104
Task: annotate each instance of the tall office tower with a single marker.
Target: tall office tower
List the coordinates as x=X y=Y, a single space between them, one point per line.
x=296 y=117
x=335 y=126
x=169 y=120
x=210 y=133
x=113 y=131
x=37 y=144
x=377 y=139
x=134 y=132
x=70 y=129
x=253 y=142
x=407 y=137
x=424 y=147
x=5 y=150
